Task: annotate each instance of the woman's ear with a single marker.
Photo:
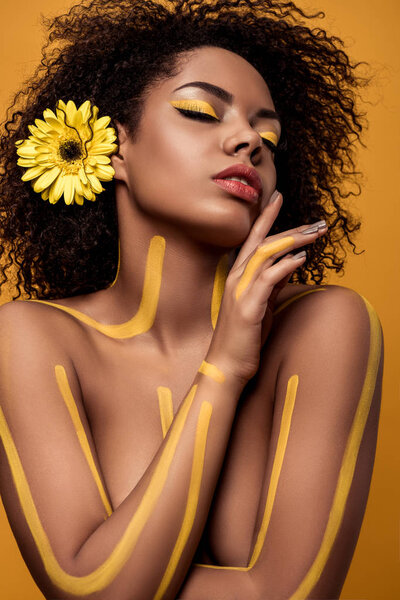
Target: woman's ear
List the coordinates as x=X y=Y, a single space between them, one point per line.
x=118 y=160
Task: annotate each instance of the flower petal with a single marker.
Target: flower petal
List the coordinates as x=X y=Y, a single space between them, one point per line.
x=82 y=176
x=93 y=118
x=103 y=149
x=57 y=189
x=77 y=121
x=45 y=194
x=95 y=183
x=42 y=126
x=46 y=179
x=78 y=198
x=69 y=189
x=101 y=123
x=36 y=133
x=33 y=173
x=99 y=160
x=61 y=104
x=26 y=162
x=84 y=109
x=26 y=150
x=78 y=185
x=45 y=160
x=49 y=113
x=104 y=172
x=71 y=112
x=55 y=124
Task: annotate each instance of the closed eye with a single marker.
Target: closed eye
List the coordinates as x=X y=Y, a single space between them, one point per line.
x=195 y=109
x=270 y=139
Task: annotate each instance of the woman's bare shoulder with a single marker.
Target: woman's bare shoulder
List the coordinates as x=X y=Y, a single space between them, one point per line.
x=21 y=313
x=42 y=309
x=311 y=321
x=29 y=322
x=320 y=299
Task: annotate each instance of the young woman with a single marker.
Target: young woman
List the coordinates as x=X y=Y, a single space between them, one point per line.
x=178 y=420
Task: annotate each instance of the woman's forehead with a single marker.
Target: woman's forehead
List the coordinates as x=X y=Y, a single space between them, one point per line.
x=221 y=68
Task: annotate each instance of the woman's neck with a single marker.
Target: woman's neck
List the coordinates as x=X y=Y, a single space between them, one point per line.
x=157 y=260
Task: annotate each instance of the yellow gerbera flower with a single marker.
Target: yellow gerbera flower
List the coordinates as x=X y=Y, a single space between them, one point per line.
x=68 y=153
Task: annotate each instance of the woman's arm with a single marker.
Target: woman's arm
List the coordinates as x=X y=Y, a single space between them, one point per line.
x=321 y=459
x=144 y=548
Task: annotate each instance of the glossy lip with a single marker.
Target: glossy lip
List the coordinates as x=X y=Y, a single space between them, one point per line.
x=244 y=172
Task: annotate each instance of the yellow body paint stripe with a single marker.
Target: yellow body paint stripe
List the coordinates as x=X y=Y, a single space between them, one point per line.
x=193 y=497
x=296 y=297
x=118 y=265
x=65 y=390
x=166 y=408
x=109 y=569
x=286 y=421
x=261 y=255
x=288 y=407
x=219 y=287
x=144 y=318
x=349 y=459
x=212 y=371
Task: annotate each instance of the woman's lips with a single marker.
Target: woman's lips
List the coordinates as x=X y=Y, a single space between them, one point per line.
x=251 y=192
x=236 y=188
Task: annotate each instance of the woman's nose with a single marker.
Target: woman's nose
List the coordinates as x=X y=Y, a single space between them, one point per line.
x=244 y=141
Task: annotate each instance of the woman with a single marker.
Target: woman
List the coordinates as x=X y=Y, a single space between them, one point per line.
x=178 y=420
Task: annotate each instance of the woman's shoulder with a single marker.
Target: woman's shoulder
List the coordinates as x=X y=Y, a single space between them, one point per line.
x=328 y=314
x=32 y=319
x=322 y=298
x=55 y=309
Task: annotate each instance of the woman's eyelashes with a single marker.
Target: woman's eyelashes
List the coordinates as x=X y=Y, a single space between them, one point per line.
x=270 y=139
x=196 y=109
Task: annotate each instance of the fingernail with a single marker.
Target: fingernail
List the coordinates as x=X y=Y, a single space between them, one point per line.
x=312 y=229
x=299 y=255
x=315 y=227
x=274 y=196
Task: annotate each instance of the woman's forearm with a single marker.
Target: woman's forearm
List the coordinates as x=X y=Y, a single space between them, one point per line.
x=152 y=536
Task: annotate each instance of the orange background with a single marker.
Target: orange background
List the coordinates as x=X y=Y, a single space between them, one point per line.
x=370 y=30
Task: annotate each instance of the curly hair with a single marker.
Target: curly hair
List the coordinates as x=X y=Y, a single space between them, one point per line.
x=111 y=52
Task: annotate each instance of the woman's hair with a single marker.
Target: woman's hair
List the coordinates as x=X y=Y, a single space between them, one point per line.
x=111 y=52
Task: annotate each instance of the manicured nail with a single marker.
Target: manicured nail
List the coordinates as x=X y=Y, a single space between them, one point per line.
x=274 y=197
x=312 y=229
x=315 y=227
x=299 y=255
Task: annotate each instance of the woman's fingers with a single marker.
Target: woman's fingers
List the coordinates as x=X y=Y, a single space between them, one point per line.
x=305 y=234
x=259 y=259
x=260 y=228
x=275 y=247
x=258 y=294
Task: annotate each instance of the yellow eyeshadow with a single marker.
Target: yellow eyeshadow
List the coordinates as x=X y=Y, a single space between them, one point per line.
x=195 y=105
x=270 y=136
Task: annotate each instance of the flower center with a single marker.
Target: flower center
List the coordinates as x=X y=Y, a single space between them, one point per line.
x=70 y=150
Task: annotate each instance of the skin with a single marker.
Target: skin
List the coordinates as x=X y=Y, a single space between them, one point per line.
x=164 y=189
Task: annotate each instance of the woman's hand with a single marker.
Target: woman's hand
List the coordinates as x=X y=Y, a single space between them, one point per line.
x=252 y=285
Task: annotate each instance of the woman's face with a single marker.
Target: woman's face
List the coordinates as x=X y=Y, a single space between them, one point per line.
x=170 y=167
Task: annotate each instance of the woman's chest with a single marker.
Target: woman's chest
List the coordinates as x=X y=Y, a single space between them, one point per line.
x=130 y=399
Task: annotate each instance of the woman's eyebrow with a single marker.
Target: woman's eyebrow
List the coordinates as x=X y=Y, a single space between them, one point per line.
x=227 y=97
